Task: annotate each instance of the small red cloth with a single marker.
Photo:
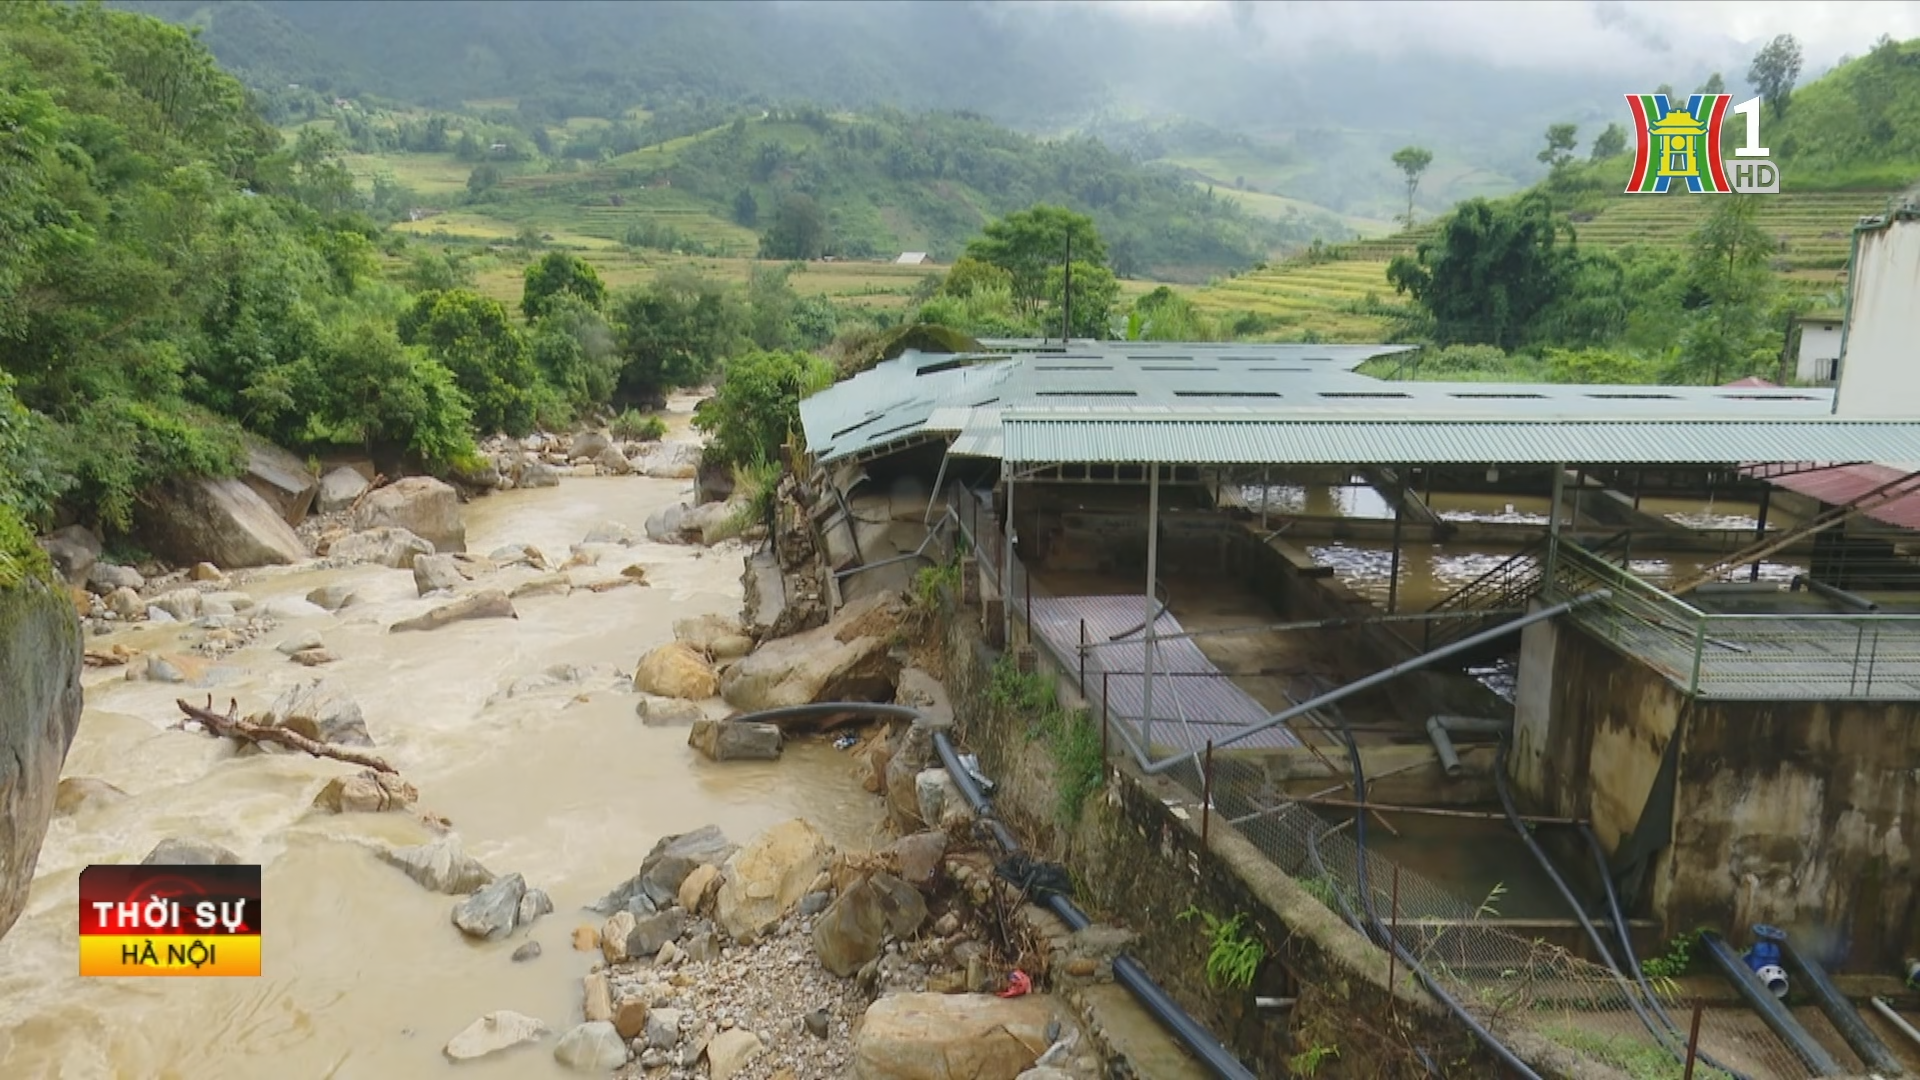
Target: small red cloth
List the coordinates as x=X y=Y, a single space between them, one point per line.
x=1017 y=985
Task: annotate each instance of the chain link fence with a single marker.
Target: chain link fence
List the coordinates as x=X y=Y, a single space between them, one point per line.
x=1505 y=981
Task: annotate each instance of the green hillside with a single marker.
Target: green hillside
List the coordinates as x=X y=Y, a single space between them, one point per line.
x=883 y=183
x=1848 y=145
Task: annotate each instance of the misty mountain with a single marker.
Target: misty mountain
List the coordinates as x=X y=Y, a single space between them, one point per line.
x=1316 y=106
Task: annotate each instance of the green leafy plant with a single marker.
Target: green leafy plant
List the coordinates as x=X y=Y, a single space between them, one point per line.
x=1675 y=961
x=930 y=583
x=637 y=426
x=1073 y=741
x=1307 y=1062
x=1233 y=954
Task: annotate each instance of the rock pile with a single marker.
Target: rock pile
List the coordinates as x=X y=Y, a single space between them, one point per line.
x=783 y=960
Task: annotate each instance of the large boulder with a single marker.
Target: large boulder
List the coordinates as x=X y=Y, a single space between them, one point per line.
x=492 y=604
x=421 y=505
x=667 y=866
x=495 y=1032
x=322 y=711
x=707 y=524
x=761 y=882
x=861 y=919
x=951 y=1037
x=845 y=660
x=338 y=489
x=73 y=550
x=493 y=910
x=719 y=636
x=436 y=573
x=676 y=671
x=280 y=478
x=732 y=740
x=222 y=521
x=588 y=445
x=39 y=713
x=442 y=866
x=384 y=546
x=670 y=461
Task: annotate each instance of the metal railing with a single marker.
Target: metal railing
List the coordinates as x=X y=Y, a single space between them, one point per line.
x=1778 y=656
x=1504 y=977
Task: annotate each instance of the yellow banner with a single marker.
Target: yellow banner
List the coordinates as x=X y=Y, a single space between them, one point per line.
x=169 y=954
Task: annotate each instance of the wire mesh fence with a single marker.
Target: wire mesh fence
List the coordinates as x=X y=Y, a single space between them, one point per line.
x=1459 y=947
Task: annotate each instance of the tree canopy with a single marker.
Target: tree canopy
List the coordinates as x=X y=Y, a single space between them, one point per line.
x=1491 y=270
x=1775 y=68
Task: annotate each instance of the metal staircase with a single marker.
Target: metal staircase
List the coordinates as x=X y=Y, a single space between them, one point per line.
x=1502 y=591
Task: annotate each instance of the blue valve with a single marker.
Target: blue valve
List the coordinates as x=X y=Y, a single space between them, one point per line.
x=1764 y=958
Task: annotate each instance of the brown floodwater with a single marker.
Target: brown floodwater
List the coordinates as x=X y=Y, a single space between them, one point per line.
x=363 y=973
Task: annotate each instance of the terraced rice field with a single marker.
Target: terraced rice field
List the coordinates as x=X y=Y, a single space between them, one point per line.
x=1814 y=228
x=1317 y=298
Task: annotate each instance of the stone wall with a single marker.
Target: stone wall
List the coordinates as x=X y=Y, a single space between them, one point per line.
x=1789 y=813
x=39 y=714
x=1137 y=854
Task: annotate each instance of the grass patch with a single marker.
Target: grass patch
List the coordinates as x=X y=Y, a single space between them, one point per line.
x=1072 y=739
x=1637 y=1057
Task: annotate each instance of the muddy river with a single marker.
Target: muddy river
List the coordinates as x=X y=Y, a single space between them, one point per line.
x=363 y=973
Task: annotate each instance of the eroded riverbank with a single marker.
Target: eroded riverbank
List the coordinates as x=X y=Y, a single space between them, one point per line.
x=363 y=974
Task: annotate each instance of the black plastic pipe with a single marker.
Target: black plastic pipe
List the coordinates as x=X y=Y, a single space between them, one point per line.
x=1126 y=970
x=1620 y=930
x=1657 y=1022
x=1383 y=934
x=1770 y=1009
x=1846 y=1019
x=1834 y=593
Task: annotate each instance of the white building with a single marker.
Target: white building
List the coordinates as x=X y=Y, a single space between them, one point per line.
x=1880 y=368
x=913 y=258
x=1818 y=360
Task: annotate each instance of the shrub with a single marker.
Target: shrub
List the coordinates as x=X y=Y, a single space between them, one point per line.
x=637 y=426
x=757 y=404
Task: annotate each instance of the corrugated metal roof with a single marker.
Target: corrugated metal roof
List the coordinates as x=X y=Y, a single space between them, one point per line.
x=1033 y=439
x=1841 y=484
x=1256 y=403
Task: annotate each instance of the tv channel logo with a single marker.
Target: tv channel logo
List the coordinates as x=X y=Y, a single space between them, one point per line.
x=1684 y=144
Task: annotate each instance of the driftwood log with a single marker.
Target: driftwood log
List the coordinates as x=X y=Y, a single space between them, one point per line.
x=234 y=726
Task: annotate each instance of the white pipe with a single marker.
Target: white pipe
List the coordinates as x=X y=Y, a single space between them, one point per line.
x=1153 y=575
x=1885 y=1010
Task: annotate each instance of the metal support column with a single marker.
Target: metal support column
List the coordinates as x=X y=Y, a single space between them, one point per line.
x=1263 y=501
x=1760 y=533
x=1006 y=560
x=1153 y=575
x=1399 y=516
x=1553 y=521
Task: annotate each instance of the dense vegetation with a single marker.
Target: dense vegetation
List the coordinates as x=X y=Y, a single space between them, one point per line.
x=175 y=278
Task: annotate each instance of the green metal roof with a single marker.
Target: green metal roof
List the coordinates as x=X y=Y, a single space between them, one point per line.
x=1091 y=439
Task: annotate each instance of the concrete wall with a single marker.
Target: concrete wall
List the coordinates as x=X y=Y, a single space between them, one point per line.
x=1590 y=726
x=1795 y=814
x=1790 y=813
x=1879 y=374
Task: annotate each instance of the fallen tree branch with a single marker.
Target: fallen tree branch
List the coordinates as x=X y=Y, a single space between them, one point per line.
x=234 y=727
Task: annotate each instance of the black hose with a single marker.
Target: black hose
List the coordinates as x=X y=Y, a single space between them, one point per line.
x=1386 y=936
x=1125 y=968
x=1619 y=919
x=1664 y=1033
x=1160 y=590
x=1775 y=1014
x=1846 y=1019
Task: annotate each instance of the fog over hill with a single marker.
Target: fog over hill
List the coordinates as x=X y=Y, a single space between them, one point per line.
x=1308 y=99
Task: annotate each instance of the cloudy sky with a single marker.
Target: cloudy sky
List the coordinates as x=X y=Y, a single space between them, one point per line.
x=1596 y=35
